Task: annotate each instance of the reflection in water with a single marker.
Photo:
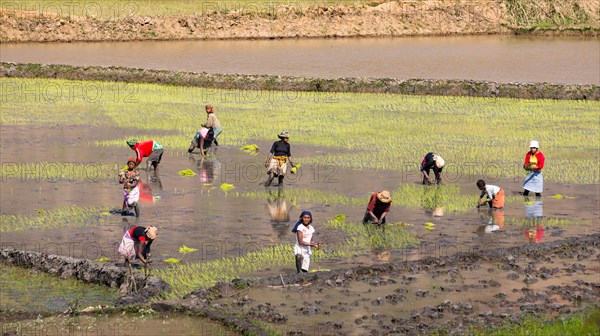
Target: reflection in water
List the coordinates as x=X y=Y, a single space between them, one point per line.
x=534 y=212
x=278 y=209
x=149 y=191
x=437 y=212
x=208 y=168
x=383 y=255
x=491 y=220
x=432 y=200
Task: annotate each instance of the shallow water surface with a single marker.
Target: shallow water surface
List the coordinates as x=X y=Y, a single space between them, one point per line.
x=496 y=58
x=195 y=212
x=32 y=291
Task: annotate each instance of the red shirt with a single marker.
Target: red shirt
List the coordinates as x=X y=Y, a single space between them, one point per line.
x=142 y=150
x=377 y=206
x=540 y=159
x=137 y=233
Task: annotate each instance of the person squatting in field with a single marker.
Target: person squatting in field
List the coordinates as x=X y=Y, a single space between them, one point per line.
x=304 y=241
x=495 y=195
x=279 y=155
x=130 y=179
x=150 y=149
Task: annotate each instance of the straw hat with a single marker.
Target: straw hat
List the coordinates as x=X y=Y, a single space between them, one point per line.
x=284 y=134
x=534 y=144
x=439 y=162
x=151 y=232
x=384 y=196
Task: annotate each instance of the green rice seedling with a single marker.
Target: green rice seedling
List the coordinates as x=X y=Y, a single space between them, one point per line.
x=360 y=239
x=568 y=133
x=70 y=216
x=582 y=323
x=251 y=149
x=187 y=172
x=185 y=250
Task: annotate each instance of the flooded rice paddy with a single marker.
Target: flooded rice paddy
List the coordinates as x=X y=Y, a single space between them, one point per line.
x=60 y=195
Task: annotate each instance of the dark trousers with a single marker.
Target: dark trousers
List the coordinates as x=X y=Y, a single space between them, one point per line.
x=367 y=219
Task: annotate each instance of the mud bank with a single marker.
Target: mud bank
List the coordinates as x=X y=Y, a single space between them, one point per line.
x=547 y=279
x=418 y=297
x=87 y=271
x=288 y=83
x=301 y=20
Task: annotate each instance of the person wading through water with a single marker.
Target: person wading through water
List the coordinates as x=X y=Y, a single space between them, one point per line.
x=304 y=240
x=279 y=155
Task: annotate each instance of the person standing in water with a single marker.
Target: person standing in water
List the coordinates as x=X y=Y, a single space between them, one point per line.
x=212 y=122
x=534 y=163
x=279 y=155
x=130 y=179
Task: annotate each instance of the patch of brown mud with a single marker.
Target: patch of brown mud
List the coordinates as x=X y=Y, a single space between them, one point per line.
x=451 y=294
x=404 y=18
x=339 y=20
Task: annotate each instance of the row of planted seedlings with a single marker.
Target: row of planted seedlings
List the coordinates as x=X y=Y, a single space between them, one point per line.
x=48 y=219
x=359 y=239
x=449 y=197
x=481 y=136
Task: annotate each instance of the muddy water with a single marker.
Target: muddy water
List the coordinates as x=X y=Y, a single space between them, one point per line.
x=32 y=291
x=195 y=212
x=383 y=301
x=129 y=324
x=495 y=58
